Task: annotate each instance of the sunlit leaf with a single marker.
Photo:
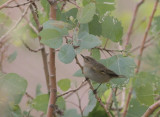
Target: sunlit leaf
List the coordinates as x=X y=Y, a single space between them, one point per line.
x=112 y=29
x=144 y=87
x=64 y=84
x=40 y=103
x=86 y=13
x=136 y=109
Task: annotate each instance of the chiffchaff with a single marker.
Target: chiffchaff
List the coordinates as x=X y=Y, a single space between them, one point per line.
x=97 y=71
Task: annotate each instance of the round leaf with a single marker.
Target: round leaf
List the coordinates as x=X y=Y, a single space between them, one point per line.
x=66 y=54
x=51 y=38
x=64 y=84
x=40 y=103
x=88 y=41
x=13 y=87
x=112 y=29
x=86 y=13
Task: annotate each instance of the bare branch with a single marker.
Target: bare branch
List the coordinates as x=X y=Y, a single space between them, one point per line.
x=43 y=51
x=145 y=36
x=29 y=96
x=5 y=4
x=151 y=109
x=133 y=22
x=37 y=50
x=12 y=28
x=73 y=90
x=127 y=103
x=18 y=5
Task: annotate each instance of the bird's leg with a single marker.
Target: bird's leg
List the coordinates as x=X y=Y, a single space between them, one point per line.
x=95 y=90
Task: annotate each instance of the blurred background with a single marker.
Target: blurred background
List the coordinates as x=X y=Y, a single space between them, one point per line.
x=30 y=66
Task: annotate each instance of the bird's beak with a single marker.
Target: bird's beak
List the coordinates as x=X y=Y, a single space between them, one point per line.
x=82 y=56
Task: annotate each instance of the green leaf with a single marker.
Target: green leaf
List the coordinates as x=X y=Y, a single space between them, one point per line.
x=71 y=113
x=104 y=6
x=61 y=103
x=156 y=25
x=5 y=20
x=112 y=29
x=91 y=104
x=51 y=38
x=40 y=103
x=12 y=56
x=88 y=41
x=95 y=53
x=98 y=111
x=53 y=32
x=64 y=84
x=78 y=73
x=144 y=87
x=136 y=109
x=66 y=54
x=16 y=111
x=86 y=13
x=122 y=66
x=95 y=27
x=70 y=16
x=12 y=88
x=45 y=5
x=38 y=90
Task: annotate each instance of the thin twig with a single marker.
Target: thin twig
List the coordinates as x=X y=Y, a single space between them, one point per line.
x=29 y=96
x=77 y=61
x=151 y=109
x=18 y=5
x=5 y=4
x=43 y=51
x=145 y=36
x=98 y=99
x=16 y=24
x=73 y=90
x=26 y=18
x=127 y=102
x=140 y=55
x=80 y=105
x=73 y=3
x=32 y=50
x=133 y=22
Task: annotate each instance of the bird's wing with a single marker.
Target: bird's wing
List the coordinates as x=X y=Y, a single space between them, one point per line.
x=102 y=69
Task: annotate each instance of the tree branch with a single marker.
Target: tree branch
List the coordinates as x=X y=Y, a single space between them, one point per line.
x=151 y=109
x=5 y=4
x=43 y=51
x=145 y=36
x=16 y=24
x=96 y=96
x=52 y=68
x=73 y=90
x=130 y=29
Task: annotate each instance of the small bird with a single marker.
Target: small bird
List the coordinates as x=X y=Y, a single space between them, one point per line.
x=97 y=71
